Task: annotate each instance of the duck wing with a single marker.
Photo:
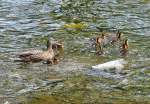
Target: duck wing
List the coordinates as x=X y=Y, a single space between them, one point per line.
x=29 y=53
x=30 y=56
x=45 y=55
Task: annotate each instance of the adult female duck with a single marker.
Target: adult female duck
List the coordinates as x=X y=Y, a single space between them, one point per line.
x=39 y=55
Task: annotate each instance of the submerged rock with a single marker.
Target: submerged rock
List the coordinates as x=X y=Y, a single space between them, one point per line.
x=118 y=65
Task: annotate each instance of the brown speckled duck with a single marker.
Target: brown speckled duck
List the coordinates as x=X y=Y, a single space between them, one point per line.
x=106 y=39
x=100 y=39
x=112 y=37
x=39 y=55
x=124 y=48
x=99 y=44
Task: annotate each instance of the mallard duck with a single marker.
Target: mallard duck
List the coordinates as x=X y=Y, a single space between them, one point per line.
x=124 y=48
x=99 y=39
x=108 y=38
x=39 y=55
x=113 y=37
x=99 y=44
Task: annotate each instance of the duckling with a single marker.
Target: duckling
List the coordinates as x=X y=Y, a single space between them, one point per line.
x=99 y=44
x=106 y=39
x=99 y=39
x=114 y=37
x=39 y=55
x=124 y=48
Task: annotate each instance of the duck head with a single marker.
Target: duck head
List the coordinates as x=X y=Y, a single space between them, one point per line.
x=58 y=45
x=124 y=48
x=99 y=39
x=125 y=44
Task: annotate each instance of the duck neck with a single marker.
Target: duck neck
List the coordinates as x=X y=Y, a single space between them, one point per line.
x=118 y=35
x=125 y=47
x=49 y=48
x=49 y=45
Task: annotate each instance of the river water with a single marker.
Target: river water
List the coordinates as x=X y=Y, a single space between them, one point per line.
x=29 y=23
